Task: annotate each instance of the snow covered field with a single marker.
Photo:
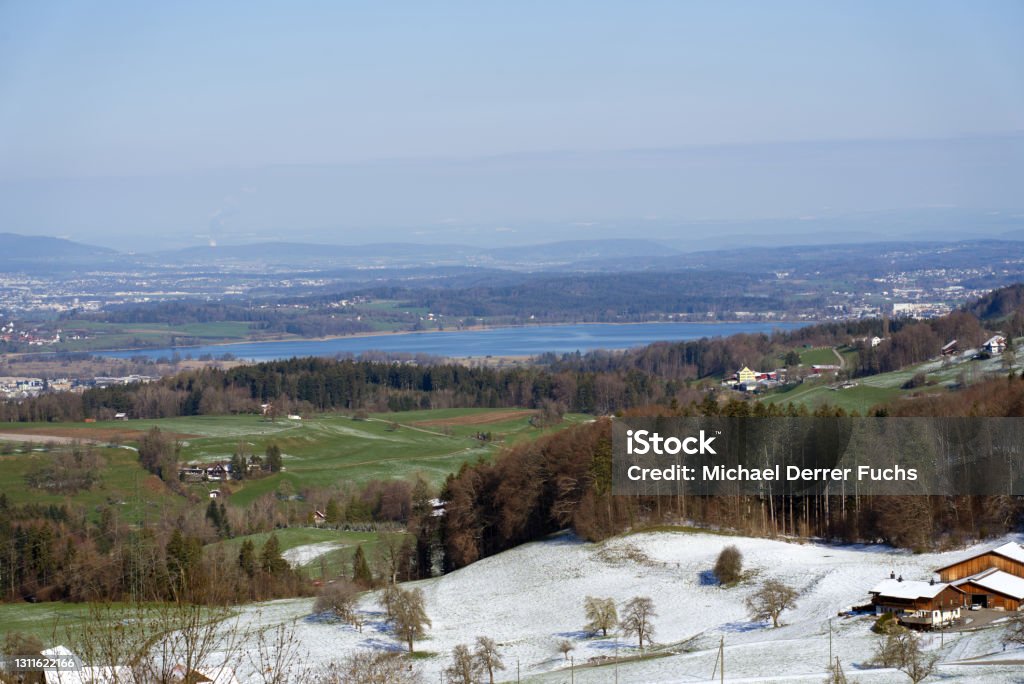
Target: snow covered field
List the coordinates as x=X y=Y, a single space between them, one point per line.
x=529 y=598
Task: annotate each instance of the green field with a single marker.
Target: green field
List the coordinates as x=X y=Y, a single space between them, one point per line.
x=127 y=335
x=813 y=394
x=820 y=356
x=49 y=621
x=941 y=374
x=318 y=451
x=137 y=494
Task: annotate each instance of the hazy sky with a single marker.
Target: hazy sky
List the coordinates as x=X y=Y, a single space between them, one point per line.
x=321 y=120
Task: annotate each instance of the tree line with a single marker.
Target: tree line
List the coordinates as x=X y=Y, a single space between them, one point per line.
x=564 y=481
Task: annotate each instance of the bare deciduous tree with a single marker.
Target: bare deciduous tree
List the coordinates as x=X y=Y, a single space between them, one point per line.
x=278 y=657
x=901 y=649
x=564 y=646
x=601 y=614
x=369 y=667
x=1015 y=632
x=486 y=654
x=636 y=619
x=390 y=556
x=409 y=615
x=338 y=599
x=18 y=644
x=464 y=668
x=158 y=643
x=770 y=600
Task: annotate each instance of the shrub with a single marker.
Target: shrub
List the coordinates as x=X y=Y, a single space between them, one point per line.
x=729 y=566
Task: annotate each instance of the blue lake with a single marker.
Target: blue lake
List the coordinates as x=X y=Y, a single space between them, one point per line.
x=521 y=341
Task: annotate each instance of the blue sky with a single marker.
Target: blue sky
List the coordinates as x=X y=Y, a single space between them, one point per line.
x=322 y=119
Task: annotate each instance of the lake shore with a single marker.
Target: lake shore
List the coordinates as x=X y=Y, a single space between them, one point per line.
x=508 y=342
x=431 y=331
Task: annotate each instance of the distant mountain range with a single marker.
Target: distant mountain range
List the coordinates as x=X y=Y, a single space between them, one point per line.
x=14 y=247
x=605 y=255
x=530 y=257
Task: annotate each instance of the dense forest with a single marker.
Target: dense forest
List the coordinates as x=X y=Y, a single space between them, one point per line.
x=565 y=482
x=599 y=297
x=263 y=319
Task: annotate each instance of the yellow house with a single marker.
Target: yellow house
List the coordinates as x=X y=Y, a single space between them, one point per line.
x=746 y=376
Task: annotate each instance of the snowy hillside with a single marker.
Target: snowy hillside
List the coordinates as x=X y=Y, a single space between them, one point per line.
x=531 y=597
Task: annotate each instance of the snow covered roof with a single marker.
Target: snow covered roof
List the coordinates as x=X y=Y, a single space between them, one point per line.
x=998 y=581
x=908 y=589
x=1011 y=550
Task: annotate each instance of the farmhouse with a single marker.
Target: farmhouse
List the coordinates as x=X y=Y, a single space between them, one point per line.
x=950 y=348
x=916 y=603
x=191 y=474
x=1009 y=558
x=995 y=345
x=746 y=376
x=994 y=589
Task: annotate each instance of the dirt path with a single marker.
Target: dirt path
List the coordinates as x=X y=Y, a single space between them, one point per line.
x=842 y=360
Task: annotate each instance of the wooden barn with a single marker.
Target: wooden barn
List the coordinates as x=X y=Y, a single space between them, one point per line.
x=1009 y=558
x=993 y=589
x=916 y=603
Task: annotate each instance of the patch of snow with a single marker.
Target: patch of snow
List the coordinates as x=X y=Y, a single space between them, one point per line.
x=307 y=553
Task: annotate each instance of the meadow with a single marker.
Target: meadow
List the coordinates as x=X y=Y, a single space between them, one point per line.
x=318 y=450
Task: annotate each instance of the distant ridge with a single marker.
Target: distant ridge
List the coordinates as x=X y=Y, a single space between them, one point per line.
x=15 y=247
x=307 y=250
x=564 y=252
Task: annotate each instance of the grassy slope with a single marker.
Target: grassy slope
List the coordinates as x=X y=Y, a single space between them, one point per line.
x=124 y=483
x=318 y=451
x=885 y=387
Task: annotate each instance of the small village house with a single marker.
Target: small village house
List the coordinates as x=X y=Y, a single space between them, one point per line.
x=918 y=604
x=746 y=377
x=994 y=345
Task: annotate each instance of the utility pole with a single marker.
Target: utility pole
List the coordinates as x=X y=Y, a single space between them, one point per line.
x=830 y=640
x=572 y=670
x=720 y=661
x=517 y=670
x=616 y=663
x=721 y=655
